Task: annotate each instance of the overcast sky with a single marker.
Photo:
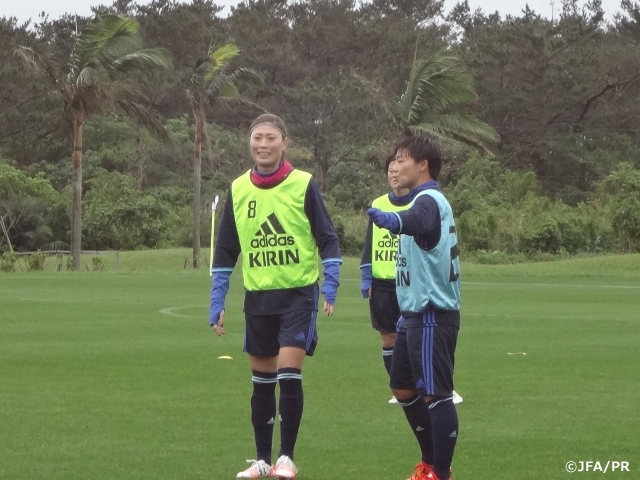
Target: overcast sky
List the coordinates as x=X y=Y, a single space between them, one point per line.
x=25 y=9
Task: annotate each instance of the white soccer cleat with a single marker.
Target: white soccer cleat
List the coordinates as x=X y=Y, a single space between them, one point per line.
x=393 y=400
x=258 y=469
x=456 y=398
x=285 y=468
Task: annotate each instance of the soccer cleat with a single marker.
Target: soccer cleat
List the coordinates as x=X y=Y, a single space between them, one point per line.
x=284 y=468
x=258 y=469
x=432 y=476
x=456 y=398
x=422 y=472
x=393 y=400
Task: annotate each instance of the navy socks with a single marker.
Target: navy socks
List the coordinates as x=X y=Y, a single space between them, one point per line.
x=444 y=424
x=435 y=425
x=263 y=412
x=290 y=406
x=387 y=355
x=417 y=413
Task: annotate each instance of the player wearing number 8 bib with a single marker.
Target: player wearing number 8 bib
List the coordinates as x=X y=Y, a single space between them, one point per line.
x=428 y=291
x=274 y=216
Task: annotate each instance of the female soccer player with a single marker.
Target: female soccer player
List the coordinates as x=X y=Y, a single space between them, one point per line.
x=428 y=291
x=275 y=217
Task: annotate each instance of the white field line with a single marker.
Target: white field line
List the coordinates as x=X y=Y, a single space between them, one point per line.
x=171 y=313
x=552 y=285
x=510 y=284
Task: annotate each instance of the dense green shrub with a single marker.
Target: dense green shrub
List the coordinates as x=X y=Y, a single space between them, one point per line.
x=35 y=261
x=619 y=194
x=119 y=217
x=8 y=261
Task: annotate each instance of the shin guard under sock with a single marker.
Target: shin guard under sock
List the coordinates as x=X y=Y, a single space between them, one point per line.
x=290 y=406
x=444 y=424
x=417 y=413
x=263 y=412
x=387 y=355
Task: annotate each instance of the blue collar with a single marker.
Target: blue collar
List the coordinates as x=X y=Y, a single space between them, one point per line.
x=408 y=198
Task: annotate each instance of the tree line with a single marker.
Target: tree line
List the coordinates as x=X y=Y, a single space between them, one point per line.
x=559 y=97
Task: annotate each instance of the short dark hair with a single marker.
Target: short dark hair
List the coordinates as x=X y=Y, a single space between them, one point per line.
x=271 y=120
x=423 y=147
x=387 y=162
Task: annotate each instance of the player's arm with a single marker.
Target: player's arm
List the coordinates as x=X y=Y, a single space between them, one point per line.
x=422 y=222
x=224 y=261
x=326 y=238
x=365 y=263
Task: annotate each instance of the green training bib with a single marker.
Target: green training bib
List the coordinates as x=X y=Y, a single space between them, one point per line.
x=278 y=249
x=384 y=244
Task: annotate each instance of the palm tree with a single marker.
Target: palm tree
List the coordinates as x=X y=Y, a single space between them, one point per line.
x=106 y=55
x=211 y=85
x=436 y=84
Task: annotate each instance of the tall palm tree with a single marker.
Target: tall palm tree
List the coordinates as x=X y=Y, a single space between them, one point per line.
x=107 y=54
x=211 y=85
x=436 y=85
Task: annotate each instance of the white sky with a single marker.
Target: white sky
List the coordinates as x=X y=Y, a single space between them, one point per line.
x=24 y=10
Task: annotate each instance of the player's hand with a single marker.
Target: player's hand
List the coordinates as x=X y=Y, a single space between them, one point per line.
x=219 y=327
x=365 y=289
x=384 y=219
x=328 y=308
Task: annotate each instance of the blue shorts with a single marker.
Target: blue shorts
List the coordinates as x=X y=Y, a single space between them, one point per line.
x=266 y=334
x=383 y=307
x=423 y=356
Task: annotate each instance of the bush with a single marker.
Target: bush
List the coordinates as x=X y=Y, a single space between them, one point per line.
x=35 y=261
x=97 y=263
x=350 y=244
x=8 y=261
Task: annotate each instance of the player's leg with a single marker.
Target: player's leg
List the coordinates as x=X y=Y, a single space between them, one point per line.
x=415 y=409
x=384 y=313
x=291 y=402
x=438 y=349
x=388 y=341
x=261 y=343
x=297 y=338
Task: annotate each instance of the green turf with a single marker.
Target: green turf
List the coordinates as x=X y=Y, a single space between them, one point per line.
x=107 y=375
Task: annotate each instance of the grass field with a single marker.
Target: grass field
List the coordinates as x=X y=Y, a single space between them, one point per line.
x=108 y=375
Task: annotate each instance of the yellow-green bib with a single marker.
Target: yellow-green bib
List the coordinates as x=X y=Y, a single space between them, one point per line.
x=278 y=249
x=384 y=244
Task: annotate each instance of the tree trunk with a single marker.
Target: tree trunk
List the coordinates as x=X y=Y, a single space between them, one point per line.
x=197 y=168
x=324 y=172
x=6 y=234
x=140 y=180
x=76 y=202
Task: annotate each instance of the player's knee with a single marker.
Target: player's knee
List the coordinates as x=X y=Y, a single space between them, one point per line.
x=388 y=339
x=404 y=396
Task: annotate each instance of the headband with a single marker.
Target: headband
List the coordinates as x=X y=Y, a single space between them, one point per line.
x=269 y=124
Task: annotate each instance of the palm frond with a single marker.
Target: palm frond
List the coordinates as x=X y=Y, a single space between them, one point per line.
x=108 y=37
x=228 y=90
x=461 y=128
x=247 y=76
x=238 y=101
x=466 y=125
x=38 y=63
x=159 y=57
x=144 y=116
x=113 y=49
x=220 y=58
x=434 y=84
x=89 y=77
